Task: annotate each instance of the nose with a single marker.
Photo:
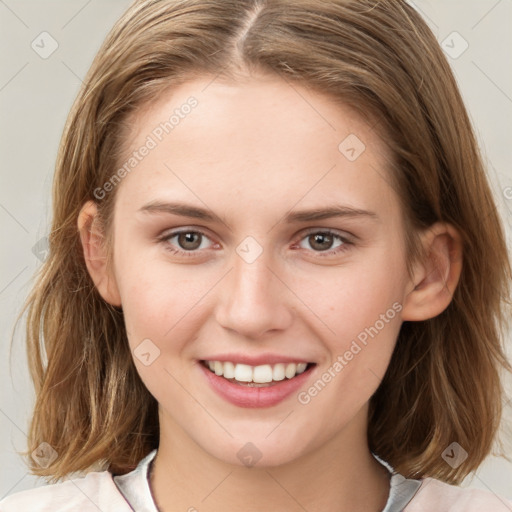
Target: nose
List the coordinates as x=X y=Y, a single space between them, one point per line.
x=253 y=300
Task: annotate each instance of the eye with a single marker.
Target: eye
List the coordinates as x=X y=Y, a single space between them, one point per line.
x=187 y=242
x=326 y=242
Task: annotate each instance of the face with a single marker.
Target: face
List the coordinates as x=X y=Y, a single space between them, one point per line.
x=257 y=228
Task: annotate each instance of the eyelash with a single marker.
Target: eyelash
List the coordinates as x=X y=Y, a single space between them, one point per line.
x=331 y=252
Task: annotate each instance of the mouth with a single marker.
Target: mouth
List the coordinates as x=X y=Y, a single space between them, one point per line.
x=264 y=385
x=265 y=375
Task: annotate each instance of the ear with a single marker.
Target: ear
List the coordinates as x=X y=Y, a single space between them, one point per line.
x=95 y=255
x=436 y=277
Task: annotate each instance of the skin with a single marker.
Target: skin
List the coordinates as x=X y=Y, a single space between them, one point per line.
x=251 y=151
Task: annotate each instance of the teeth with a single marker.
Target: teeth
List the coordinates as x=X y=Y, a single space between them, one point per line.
x=259 y=374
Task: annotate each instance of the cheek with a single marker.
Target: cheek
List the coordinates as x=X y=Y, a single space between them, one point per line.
x=365 y=314
x=161 y=312
x=360 y=309
x=365 y=303
x=349 y=300
x=160 y=300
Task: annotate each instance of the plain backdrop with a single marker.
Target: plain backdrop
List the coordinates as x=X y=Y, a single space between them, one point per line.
x=37 y=90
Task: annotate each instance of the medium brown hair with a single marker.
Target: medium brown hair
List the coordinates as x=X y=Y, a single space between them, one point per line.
x=378 y=57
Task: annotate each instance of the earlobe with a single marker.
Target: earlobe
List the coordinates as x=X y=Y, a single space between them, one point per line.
x=95 y=254
x=436 y=277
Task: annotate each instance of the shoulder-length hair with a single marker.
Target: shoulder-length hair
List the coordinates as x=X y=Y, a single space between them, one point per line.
x=377 y=56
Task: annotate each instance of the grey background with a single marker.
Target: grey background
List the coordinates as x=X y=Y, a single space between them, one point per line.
x=35 y=97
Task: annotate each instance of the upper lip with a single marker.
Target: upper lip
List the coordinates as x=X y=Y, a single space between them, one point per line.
x=255 y=360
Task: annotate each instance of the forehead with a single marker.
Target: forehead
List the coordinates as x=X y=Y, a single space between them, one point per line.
x=261 y=138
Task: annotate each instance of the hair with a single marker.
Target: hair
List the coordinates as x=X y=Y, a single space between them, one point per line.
x=378 y=57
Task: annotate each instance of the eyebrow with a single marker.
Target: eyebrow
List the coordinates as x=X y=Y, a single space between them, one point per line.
x=186 y=210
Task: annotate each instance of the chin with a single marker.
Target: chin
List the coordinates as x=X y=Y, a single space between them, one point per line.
x=254 y=451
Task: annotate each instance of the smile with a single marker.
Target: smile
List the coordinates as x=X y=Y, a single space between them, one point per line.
x=261 y=374
x=256 y=386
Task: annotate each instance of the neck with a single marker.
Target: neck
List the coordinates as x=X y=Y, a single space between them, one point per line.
x=341 y=475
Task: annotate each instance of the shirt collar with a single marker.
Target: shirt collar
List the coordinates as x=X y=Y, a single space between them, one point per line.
x=134 y=486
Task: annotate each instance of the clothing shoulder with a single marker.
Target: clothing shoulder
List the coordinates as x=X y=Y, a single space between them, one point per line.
x=436 y=496
x=96 y=491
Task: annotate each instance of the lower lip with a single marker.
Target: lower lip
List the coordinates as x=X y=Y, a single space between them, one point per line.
x=252 y=397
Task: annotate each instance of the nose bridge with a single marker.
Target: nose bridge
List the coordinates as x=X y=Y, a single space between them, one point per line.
x=253 y=300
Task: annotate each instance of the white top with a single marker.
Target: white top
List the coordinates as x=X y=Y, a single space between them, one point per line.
x=100 y=491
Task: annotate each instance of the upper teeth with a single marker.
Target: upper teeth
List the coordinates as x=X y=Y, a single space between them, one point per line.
x=258 y=374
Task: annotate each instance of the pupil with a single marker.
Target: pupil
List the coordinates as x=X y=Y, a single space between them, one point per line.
x=321 y=239
x=188 y=238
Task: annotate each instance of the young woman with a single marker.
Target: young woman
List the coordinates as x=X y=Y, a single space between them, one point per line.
x=277 y=279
